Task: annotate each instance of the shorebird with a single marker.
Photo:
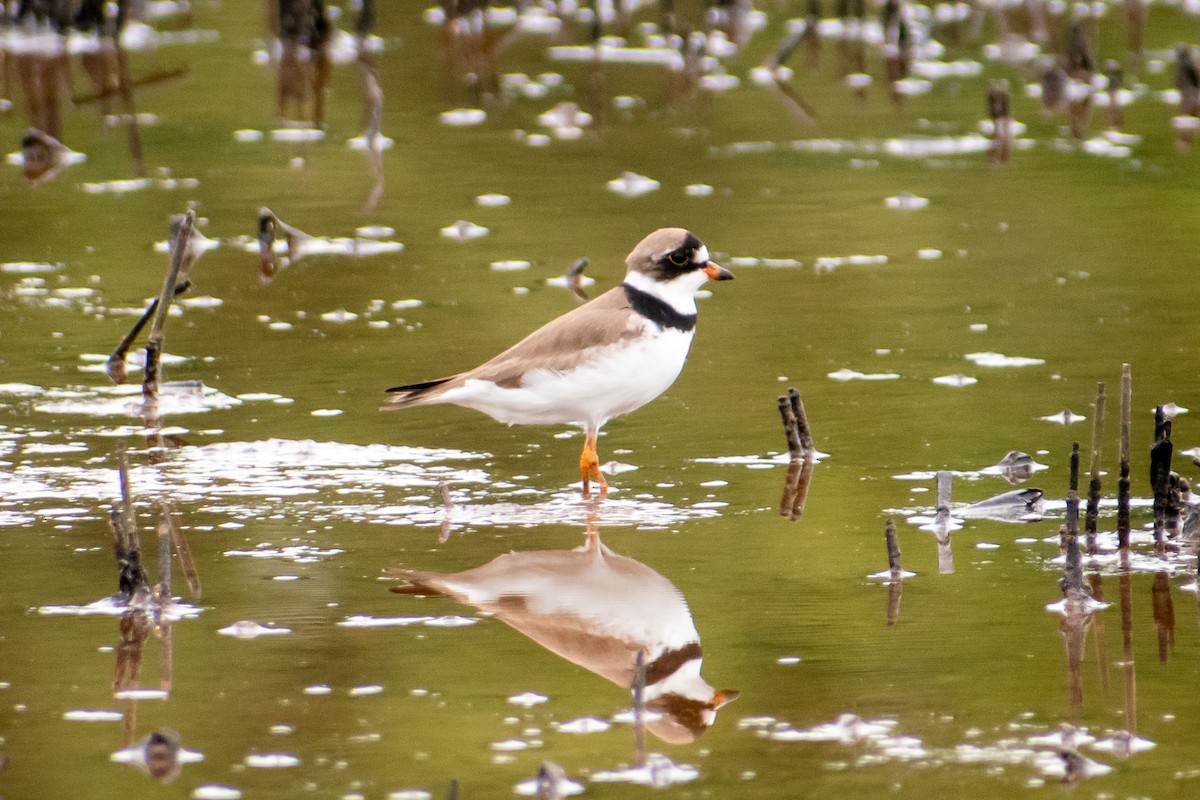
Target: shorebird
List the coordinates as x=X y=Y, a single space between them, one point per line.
x=607 y=357
x=598 y=609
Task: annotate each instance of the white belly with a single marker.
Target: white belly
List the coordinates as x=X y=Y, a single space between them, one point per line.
x=615 y=381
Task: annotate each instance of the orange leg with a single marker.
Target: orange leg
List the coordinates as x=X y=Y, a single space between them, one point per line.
x=589 y=467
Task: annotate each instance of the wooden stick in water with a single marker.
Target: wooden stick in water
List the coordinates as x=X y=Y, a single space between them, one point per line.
x=944 y=479
x=1073 y=493
x=806 y=440
x=1091 y=519
x=1072 y=578
x=800 y=448
x=893 y=548
x=942 y=523
x=193 y=249
x=791 y=428
x=154 y=347
x=795 y=487
x=1160 y=473
x=1123 y=480
x=895 y=585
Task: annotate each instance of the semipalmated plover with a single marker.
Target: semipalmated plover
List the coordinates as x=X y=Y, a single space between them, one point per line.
x=598 y=609
x=605 y=358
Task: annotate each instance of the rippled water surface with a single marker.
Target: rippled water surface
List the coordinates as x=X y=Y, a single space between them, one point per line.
x=378 y=605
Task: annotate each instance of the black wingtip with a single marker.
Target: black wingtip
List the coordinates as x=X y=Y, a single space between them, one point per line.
x=417 y=389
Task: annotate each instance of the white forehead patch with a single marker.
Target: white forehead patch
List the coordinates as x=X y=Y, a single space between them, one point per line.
x=701 y=256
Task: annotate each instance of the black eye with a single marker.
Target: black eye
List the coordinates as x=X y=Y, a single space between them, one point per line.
x=678 y=258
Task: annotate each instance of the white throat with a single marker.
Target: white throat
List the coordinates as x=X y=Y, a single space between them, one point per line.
x=679 y=293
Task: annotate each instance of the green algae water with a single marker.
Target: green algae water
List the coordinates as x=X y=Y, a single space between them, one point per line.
x=935 y=310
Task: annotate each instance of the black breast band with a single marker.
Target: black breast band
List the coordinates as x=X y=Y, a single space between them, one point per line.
x=658 y=311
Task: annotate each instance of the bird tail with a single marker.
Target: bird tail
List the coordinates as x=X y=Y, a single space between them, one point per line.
x=413 y=394
x=414 y=581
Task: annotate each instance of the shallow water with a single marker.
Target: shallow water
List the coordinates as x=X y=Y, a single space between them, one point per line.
x=935 y=312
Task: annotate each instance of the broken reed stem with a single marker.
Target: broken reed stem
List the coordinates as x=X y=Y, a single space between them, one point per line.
x=791 y=428
x=1072 y=579
x=806 y=440
x=893 y=547
x=1073 y=493
x=1123 y=480
x=944 y=479
x=1091 y=519
x=153 y=368
x=942 y=523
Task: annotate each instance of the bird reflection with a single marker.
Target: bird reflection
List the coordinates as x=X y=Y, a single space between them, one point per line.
x=600 y=610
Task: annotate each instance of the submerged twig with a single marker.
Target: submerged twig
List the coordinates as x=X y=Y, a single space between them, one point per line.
x=1163 y=606
x=153 y=78
x=169 y=521
x=1123 y=480
x=1091 y=518
x=131 y=575
x=639 y=705
x=795 y=487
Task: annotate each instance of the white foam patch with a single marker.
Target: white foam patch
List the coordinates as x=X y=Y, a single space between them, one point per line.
x=448 y=621
x=583 y=725
x=90 y=715
x=272 y=760
x=186 y=397
x=1001 y=360
x=955 y=380
x=853 y=375
x=631 y=184
x=247 y=629
x=212 y=791
x=113 y=607
x=756 y=461
x=658 y=771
